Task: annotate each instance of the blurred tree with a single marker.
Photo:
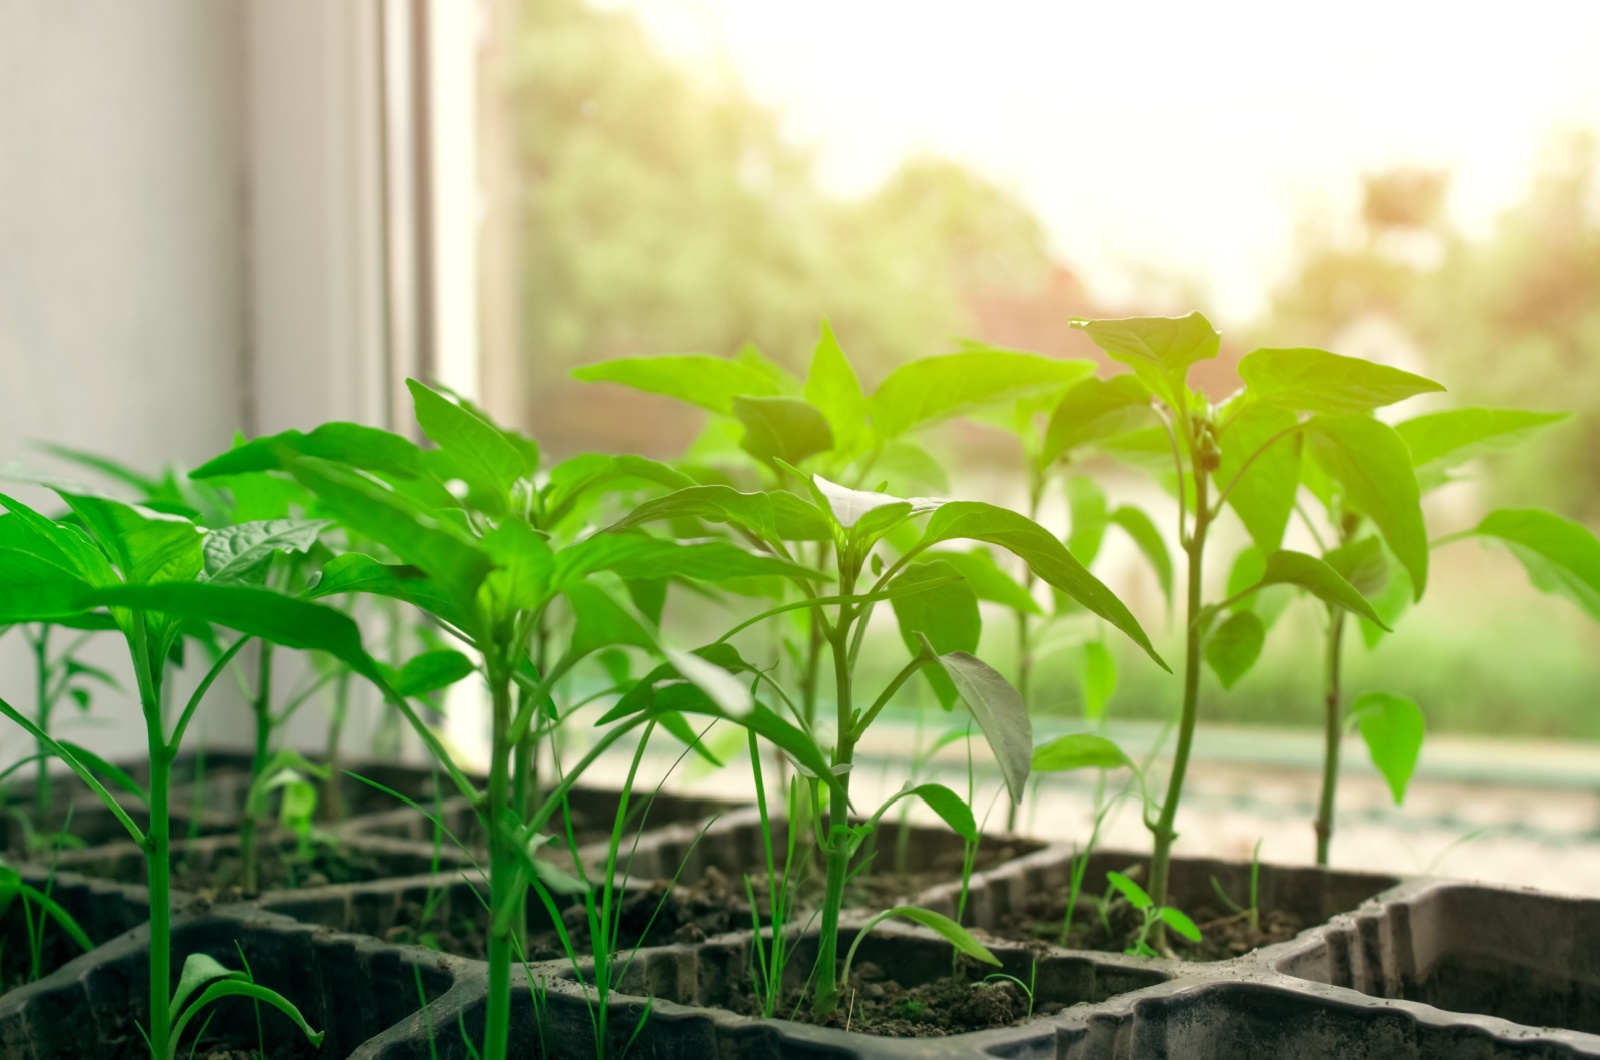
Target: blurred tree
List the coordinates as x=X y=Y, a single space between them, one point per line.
x=1512 y=319
x=662 y=211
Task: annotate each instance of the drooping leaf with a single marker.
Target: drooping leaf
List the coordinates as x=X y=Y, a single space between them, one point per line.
x=1234 y=646
x=1000 y=713
x=1269 y=603
x=946 y=614
x=1093 y=410
x=431 y=671
x=1560 y=556
x=1440 y=441
x=714 y=504
x=832 y=387
x=1263 y=497
x=782 y=427
x=1147 y=537
x=1078 y=750
x=933 y=388
x=1160 y=350
x=354 y=572
x=242 y=552
x=699 y=379
x=1087 y=518
x=1311 y=380
x=417 y=536
x=1390 y=602
x=479 y=450
x=1097 y=679
x=1045 y=555
x=949 y=806
x=637 y=556
x=1322 y=581
x=1362 y=564
x=1393 y=728
x=1372 y=466
x=942 y=926
x=198 y=970
x=224 y=988
x=107 y=770
x=986 y=580
x=351 y=444
x=284 y=620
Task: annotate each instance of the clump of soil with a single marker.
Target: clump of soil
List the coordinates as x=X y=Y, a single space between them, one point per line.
x=1223 y=933
x=875 y=1004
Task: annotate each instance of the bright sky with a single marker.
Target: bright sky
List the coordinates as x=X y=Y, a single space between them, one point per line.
x=1192 y=137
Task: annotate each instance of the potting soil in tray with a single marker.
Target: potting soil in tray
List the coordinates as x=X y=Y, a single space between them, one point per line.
x=216 y=875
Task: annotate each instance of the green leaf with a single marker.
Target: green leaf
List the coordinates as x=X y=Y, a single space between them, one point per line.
x=431 y=671
x=1264 y=497
x=1233 y=647
x=1444 y=440
x=1322 y=581
x=234 y=988
x=576 y=479
x=33 y=589
x=699 y=379
x=11 y=884
x=849 y=507
x=1093 y=410
x=986 y=580
x=999 y=711
x=797 y=519
x=933 y=388
x=1078 y=750
x=1362 y=564
x=479 y=451
x=950 y=808
x=351 y=444
x=60 y=544
x=1097 y=679
x=1179 y=922
x=414 y=534
x=782 y=427
x=714 y=504
x=832 y=387
x=145 y=545
x=1148 y=538
x=1393 y=728
x=1310 y=380
x=354 y=572
x=1560 y=556
x=1372 y=466
x=198 y=970
x=1269 y=604
x=1045 y=555
x=1086 y=511
x=242 y=552
x=600 y=622
x=636 y=556
x=1160 y=350
x=1390 y=602
x=105 y=769
x=284 y=620
x=1135 y=894
x=523 y=569
x=941 y=925
x=946 y=614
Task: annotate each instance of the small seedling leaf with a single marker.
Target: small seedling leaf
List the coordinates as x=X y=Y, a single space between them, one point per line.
x=946 y=612
x=698 y=379
x=198 y=970
x=1234 y=646
x=1135 y=894
x=1262 y=493
x=832 y=387
x=1160 y=350
x=1372 y=466
x=242 y=552
x=1560 y=556
x=948 y=929
x=1179 y=922
x=1078 y=750
x=1311 y=380
x=1445 y=440
x=1093 y=410
x=999 y=711
x=934 y=388
x=1393 y=728
x=986 y=580
x=431 y=671
x=1308 y=572
x=783 y=428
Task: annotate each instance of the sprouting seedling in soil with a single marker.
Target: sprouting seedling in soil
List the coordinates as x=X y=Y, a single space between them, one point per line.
x=948 y=929
x=489 y=554
x=204 y=982
x=145 y=567
x=938 y=619
x=1027 y=988
x=769 y=960
x=1251 y=912
x=1153 y=914
x=13 y=889
x=1245 y=454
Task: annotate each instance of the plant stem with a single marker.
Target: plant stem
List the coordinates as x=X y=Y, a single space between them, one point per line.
x=1160 y=860
x=333 y=789
x=157 y=843
x=838 y=853
x=502 y=871
x=1333 y=729
x=261 y=706
x=41 y=783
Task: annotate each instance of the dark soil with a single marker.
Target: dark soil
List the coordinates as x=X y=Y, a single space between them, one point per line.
x=1223 y=933
x=215 y=878
x=874 y=1004
x=16 y=958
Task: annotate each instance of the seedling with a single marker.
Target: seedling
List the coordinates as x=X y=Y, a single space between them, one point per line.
x=1252 y=912
x=1244 y=454
x=1027 y=988
x=1153 y=915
